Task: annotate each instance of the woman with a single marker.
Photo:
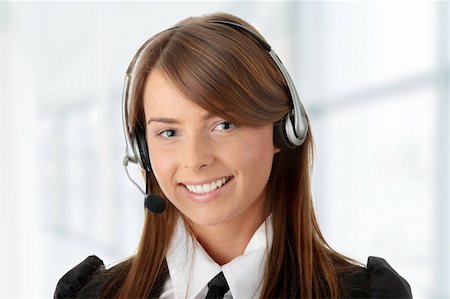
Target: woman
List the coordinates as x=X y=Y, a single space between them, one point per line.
x=215 y=122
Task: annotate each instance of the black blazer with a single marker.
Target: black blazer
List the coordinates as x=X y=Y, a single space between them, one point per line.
x=377 y=280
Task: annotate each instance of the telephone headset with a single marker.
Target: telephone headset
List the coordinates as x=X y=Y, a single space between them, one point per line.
x=292 y=129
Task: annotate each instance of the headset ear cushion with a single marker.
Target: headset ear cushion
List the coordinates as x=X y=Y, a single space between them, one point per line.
x=280 y=138
x=143 y=149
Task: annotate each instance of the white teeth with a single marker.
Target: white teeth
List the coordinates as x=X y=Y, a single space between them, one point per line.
x=198 y=189
x=205 y=188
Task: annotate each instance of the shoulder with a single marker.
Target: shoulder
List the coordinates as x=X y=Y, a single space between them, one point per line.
x=82 y=281
x=377 y=280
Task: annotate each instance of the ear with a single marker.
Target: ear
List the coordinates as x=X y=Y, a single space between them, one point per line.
x=276 y=149
x=276 y=139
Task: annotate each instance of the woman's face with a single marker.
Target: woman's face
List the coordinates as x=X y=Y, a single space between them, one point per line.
x=213 y=171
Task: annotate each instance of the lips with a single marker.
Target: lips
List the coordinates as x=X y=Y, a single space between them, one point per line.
x=207 y=187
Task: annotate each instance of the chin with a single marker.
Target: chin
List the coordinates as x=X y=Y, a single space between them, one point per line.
x=206 y=219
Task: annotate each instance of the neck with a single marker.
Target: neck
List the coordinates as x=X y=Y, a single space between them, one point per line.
x=226 y=241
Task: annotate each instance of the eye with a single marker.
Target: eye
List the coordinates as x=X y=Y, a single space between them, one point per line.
x=168 y=133
x=225 y=125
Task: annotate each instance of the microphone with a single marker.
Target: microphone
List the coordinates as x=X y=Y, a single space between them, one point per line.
x=155 y=203
x=152 y=202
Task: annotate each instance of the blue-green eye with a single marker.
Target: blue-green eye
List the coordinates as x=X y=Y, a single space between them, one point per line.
x=226 y=125
x=168 y=133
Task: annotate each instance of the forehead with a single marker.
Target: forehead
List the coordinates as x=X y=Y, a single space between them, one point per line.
x=162 y=98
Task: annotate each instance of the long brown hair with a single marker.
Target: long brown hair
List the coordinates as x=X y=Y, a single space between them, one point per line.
x=226 y=72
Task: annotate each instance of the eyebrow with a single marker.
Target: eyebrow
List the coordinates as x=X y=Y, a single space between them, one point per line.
x=168 y=120
x=163 y=120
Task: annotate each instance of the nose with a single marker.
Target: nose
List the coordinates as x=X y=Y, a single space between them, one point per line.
x=197 y=152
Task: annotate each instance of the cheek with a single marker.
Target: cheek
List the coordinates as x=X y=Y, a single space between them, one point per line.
x=163 y=168
x=256 y=156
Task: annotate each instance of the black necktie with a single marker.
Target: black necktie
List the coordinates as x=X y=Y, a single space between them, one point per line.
x=217 y=287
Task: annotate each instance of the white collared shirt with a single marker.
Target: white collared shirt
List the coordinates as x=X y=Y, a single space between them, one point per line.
x=191 y=268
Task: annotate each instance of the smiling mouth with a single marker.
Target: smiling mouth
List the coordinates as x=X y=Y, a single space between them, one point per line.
x=209 y=187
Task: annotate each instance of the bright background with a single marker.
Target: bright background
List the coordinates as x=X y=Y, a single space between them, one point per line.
x=374 y=77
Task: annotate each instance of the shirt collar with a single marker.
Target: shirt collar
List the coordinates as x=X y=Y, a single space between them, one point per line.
x=191 y=268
